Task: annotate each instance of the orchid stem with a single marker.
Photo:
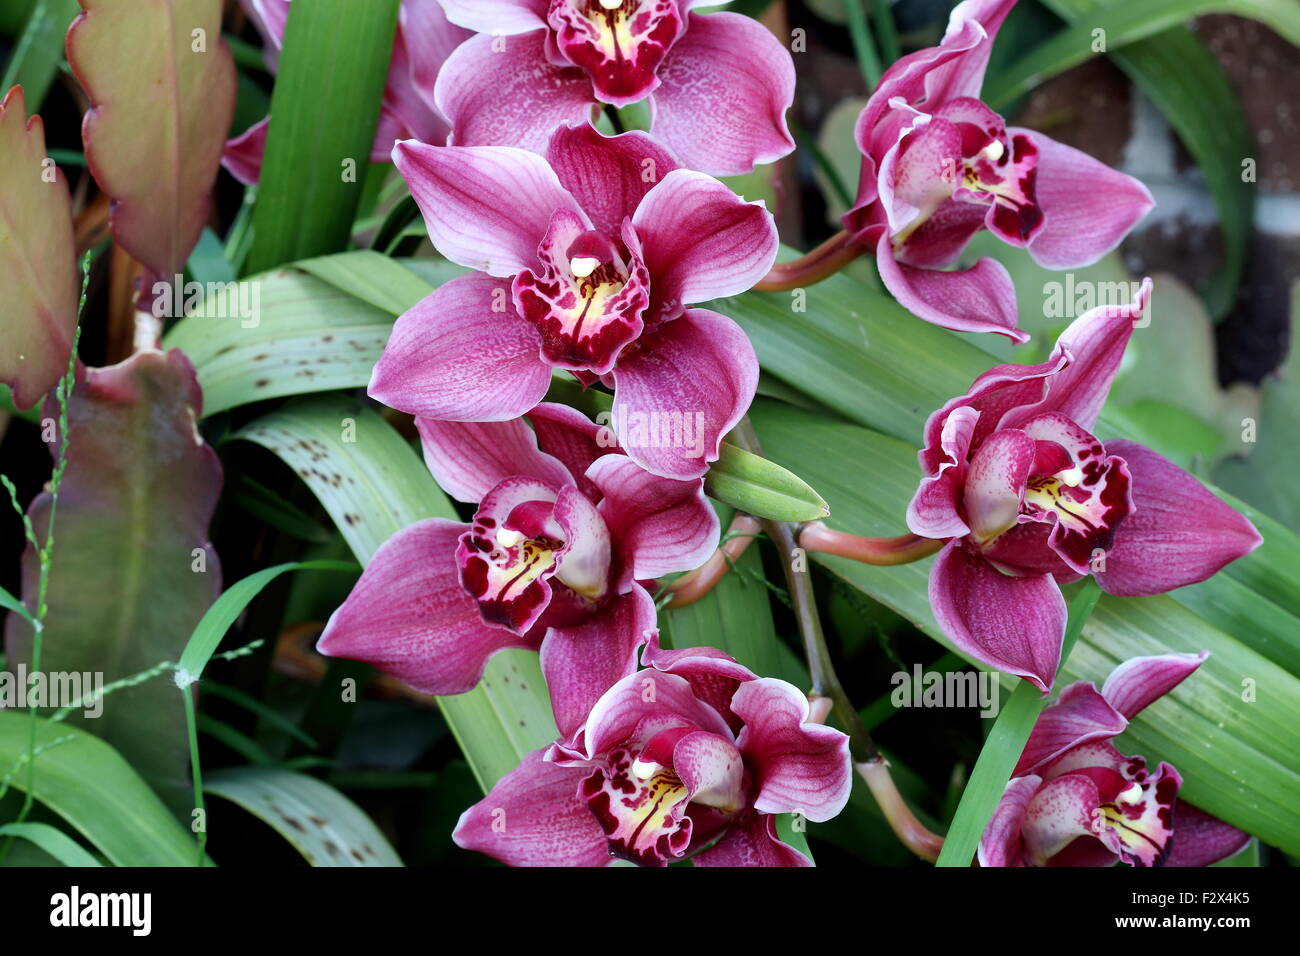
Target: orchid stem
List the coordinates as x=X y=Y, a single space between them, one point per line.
x=911 y=832
x=883 y=552
x=812 y=267
x=692 y=586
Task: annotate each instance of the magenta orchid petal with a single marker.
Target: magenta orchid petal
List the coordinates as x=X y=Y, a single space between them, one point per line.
x=532 y=817
x=486 y=207
x=1179 y=532
x=701 y=241
x=979 y=299
x=662 y=525
x=964 y=75
x=688 y=384
x=1137 y=825
x=582 y=662
x=1001 y=843
x=584 y=563
x=731 y=69
x=995 y=483
x=1013 y=624
x=1138 y=681
x=574 y=439
x=443 y=361
x=751 y=842
x=712 y=770
x=409 y=616
x=242 y=157
x=645 y=700
x=500 y=17
x=1061 y=811
x=430 y=38
x=1079 y=716
x=608 y=175
x=469 y=459
x=620 y=48
x=505 y=91
x=713 y=674
x=934 y=511
x=1087 y=206
x=1201 y=839
x=799 y=767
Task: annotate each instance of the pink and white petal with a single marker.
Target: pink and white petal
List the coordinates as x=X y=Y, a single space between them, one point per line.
x=469 y=459
x=935 y=509
x=242 y=156
x=964 y=75
x=995 y=484
x=697 y=374
x=451 y=356
x=979 y=299
x=1138 y=681
x=922 y=176
x=1178 y=534
x=409 y=616
x=581 y=663
x=661 y=526
x=430 y=38
x=646 y=701
x=1201 y=839
x=1001 y=843
x=486 y=207
x=584 y=563
x=1013 y=624
x=799 y=767
x=1088 y=208
x=751 y=841
x=712 y=770
x=1059 y=813
x=574 y=439
x=724 y=90
x=715 y=675
x=1089 y=353
x=497 y=91
x=701 y=241
x=1080 y=716
x=497 y=17
x=1139 y=824
x=533 y=817
x=1025 y=550
x=608 y=175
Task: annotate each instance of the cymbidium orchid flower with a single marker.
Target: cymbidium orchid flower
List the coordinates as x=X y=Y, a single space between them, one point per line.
x=718 y=85
x=689 y=757
x=1074 y=800
x=591 y=256
x=564 y=532
x=424 y=40
x=938 y=166
x=1027 y=498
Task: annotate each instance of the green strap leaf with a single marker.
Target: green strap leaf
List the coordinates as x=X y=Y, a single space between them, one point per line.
x=762 y=488
x=1004 y=746
x=53 y=841
x=322 y=824
x=36 y=57
x=324 y=111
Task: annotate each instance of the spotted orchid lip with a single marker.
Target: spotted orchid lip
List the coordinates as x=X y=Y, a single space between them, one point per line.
x=619 y=43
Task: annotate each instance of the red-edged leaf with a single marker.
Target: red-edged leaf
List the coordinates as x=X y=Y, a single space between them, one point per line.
x=161 y=82
x=132 y=570
x=38 y=260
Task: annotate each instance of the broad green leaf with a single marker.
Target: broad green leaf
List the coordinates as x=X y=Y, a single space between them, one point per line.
x=132 y=570
x=34 y=62
x=370 y=277
x=38 y=310
x=53 y=841
x=159 y=118
x=1236 y=757
x=87 y=783
x=1001 y=751
x=322 y=824
x=373 y=485
x=764 y=489
x=324 y=111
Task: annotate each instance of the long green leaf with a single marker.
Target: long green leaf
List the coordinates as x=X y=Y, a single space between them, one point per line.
x=324 y=111
x=1003 y=748
x=35 y=59
x=322 y=824
x=373 y=485
x=53 y=841
x=87 y=783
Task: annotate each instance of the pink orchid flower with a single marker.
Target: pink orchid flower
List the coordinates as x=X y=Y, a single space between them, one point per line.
x=689 y=757
x=591 y=256
x=424 y=40
x=1074 y=800
x=938 y=166
x=565 y=531
x=718 y=85
x=1027 y=498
